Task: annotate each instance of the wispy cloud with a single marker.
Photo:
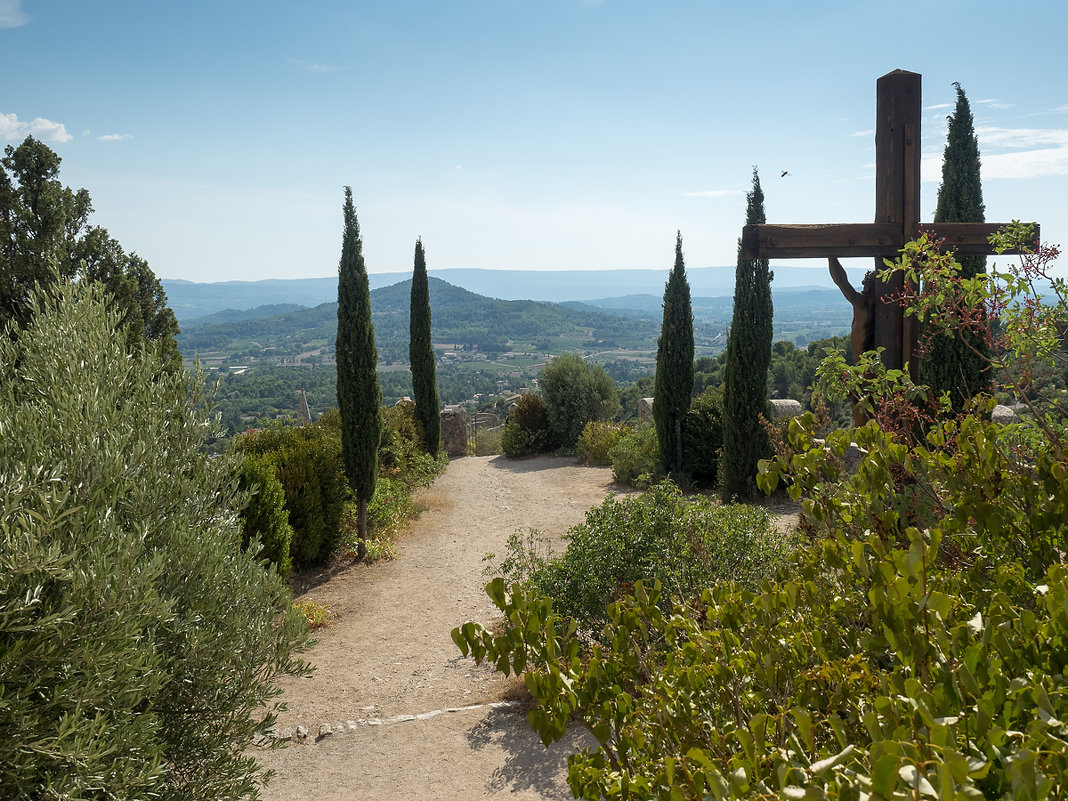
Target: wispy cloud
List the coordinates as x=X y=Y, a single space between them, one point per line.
x=115 y=137
x=868 y=132
x=994 y=103
x=937 y=106
x=12 y=15
x=313 y=66
x=11 y=127
x=714 y=193
x=1014 y=153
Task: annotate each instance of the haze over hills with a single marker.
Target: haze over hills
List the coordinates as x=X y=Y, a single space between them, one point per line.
x=461 y=318
x=289 y=334
x=190 y=300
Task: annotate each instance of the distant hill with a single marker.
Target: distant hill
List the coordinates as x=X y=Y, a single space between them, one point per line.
x=191 y=300
x=237 y=315
x=792 y=305
x=460 y=318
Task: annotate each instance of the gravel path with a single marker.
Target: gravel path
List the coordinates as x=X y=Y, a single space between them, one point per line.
x=393 y=710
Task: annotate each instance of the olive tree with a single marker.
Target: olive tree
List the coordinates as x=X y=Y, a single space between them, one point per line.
x=139 y=643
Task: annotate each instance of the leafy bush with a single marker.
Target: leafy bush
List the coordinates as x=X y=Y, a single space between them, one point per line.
x=636 y=457
x=307 y=462
x=527 y=430
x=529 y=413
x=265 y=518
x=703 y=437
x=685 y=544
x=915 y=646
x=315 y=614
x=139 y=645
x=486 y=442
x=597 y=440
x=391 y=507
x=576 y=393
x=519 y=441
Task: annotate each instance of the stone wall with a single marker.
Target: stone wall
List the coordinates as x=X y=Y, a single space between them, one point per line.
x=454 y=431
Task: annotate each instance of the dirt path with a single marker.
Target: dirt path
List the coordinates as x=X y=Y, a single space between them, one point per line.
x=392 y=710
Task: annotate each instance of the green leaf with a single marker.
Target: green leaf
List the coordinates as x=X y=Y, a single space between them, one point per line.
x=821 y=767
x=916 y=781
x=884 y=775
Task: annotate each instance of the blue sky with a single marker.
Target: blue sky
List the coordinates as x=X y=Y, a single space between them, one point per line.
x=215 y=137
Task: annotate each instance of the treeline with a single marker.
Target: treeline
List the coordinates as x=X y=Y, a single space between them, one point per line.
x=265 y=392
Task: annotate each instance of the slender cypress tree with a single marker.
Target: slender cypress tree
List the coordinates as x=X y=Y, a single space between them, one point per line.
x=421 y=356
x=358 y=396
x=955 y=363
x=745 y=380
x=674 y=365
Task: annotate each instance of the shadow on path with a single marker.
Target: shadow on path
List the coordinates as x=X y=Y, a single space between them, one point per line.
x=533 y=464
x=528 y=765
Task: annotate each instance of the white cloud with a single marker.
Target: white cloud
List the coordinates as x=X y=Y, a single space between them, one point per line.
x=869 y=132
x=115 y=137
x=1020 y=137
x=1013 y=153
x=313 y=66
x=1032 y=152
x=12 y=15
x=937 y=106
x=714 y=193
x=11 y=127
x=992 y=103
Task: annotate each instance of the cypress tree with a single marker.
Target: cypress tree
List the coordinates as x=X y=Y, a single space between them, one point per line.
x=745 y=378
x=674 y=365
x=358 y=396
x=955 y=363
x=421 y=356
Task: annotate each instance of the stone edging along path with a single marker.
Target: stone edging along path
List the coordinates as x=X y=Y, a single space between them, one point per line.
x=301 y=733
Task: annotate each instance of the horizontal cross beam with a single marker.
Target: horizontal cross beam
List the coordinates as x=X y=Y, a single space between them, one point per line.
x=848 y=240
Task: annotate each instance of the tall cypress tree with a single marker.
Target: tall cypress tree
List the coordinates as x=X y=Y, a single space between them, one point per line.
x=674 y=365
x=358 y=396
x=421 y=356
x=955 y=363
x=745 y=380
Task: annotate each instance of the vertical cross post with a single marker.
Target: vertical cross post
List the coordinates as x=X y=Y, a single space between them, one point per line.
x=897 y=198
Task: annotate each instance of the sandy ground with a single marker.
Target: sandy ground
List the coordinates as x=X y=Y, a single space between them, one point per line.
x=393 y=710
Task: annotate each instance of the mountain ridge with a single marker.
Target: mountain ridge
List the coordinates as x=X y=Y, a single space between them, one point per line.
x=190 y=299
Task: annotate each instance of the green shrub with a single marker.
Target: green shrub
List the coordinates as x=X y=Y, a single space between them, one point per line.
x=527 y=430
x=703 y=437
x=576 y=393
x=391 y=507
x=636 y=457
x=519 y=441
x=915 y=645
x=400 y=453
x=307 y=462
x=486 y=442
x=402 y=440
x=265 y=518
x=687 y=544
x=597 y=440
x=139 y=645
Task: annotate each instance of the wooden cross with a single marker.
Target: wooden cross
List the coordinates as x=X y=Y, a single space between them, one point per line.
x=897 y=217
